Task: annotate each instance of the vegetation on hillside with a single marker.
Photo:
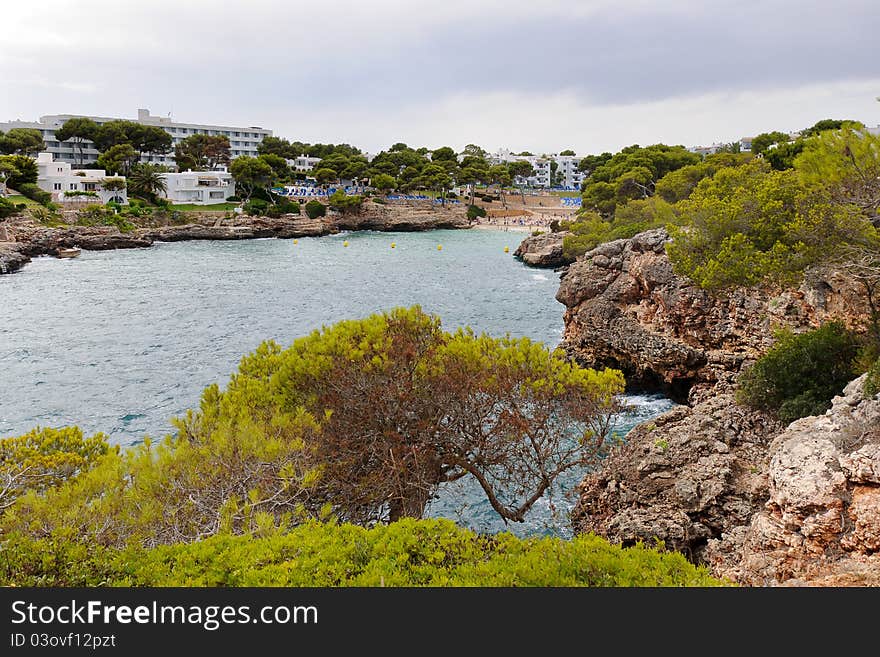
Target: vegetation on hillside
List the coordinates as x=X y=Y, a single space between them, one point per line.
x=801 y=373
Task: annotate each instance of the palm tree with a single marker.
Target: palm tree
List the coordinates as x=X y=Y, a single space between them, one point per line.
x=146 y=181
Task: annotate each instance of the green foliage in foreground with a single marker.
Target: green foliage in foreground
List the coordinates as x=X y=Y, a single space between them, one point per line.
x=405 y=553
x=802 y=373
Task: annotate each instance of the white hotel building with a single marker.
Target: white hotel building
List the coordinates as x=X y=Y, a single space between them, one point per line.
x=243 y=141
x=566 y=168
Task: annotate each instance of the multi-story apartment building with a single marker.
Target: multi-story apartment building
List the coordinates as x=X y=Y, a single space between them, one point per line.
x=67 y=184
x=242 y=141
x=566 y=175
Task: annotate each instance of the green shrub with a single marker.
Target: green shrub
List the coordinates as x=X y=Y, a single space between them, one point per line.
x=7 y=208
x=234 y=198
x=872 y=381
x=99 y=215
x=34 y=193
x=345 y=204
x=407 y=553
x=256 y=207
x=474 y=212
x=379 y=200
x=315 y=209
x=288 y=207
x=802 y=373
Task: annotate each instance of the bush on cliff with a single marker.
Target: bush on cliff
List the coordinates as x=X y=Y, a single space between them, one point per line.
x=475 y=212
x=341 y=202
x=7 y=208
x=802 y=373
x=751 y=224
x=315 y=209
x=34 y=193
x=256 y=207
x=406 y=553
x=591 y=229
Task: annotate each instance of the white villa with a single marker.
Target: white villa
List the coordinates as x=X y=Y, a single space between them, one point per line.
x=198 y=187
x=303 y=163
x=64 y=183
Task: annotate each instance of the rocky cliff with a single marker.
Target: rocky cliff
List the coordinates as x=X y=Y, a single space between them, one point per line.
x=625 y=307
x=760 y=502
x=821 y=521
x=544 y=250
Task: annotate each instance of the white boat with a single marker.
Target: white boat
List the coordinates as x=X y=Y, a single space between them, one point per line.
x=62 y=252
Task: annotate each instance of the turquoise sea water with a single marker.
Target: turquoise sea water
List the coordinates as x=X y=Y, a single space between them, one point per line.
x=120 y=341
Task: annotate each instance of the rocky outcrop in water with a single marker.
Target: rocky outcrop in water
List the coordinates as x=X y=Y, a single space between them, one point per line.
x=11 y=259
x=544 y=250
x=627 y=308
x=760 y=503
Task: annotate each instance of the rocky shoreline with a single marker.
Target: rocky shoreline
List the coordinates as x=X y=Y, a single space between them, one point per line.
x=758 y=502
x=32 y=239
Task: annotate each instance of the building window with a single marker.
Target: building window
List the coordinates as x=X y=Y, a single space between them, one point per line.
x=57 y=186
x=73 y=186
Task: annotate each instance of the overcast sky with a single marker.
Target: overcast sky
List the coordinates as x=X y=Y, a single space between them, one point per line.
x=541 y=75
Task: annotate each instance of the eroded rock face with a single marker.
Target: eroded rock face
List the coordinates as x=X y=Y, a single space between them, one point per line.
x=627 y=308
x=821 y=522
x=404 y=217
x=759 y=502
x=544 y=250
x=689 y=475
x=11 y=259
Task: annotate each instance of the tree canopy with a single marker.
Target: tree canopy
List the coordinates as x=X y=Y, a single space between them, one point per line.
x=22 y=141
x=202 y=152
x=630 y=174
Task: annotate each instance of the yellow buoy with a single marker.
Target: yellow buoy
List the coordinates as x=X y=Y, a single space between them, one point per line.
x=345 y=243
x=393 y=244
x=439 y=247
x=506 y=249
x=296 y=241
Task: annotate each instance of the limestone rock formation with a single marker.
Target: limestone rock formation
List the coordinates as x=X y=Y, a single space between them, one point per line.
x=821 y=522
x=544 y=250
x=404 y=217
x=685 y=477
x=627 y=308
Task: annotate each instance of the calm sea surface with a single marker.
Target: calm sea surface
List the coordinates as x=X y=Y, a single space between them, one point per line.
x=121 y=341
